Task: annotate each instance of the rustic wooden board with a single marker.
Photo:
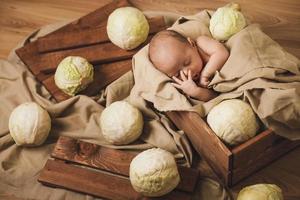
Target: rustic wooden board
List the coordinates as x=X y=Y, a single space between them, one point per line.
x=87 y=38
x=205 y=142
x=97 y=183
x=111 y=160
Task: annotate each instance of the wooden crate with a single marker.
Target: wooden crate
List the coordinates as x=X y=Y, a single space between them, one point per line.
x=88 y=33
x=231 y=164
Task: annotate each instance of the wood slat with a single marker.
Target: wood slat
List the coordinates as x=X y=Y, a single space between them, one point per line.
x=205 y=142
x=252 y=147
x=95 y=54
x=88 y=36
x=111 y=160
x=96 y=183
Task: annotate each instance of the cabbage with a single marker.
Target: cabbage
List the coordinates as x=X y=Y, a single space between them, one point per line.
x=233 y=121
x=260 y=192
x=154 y=172
x=226 y=21
x=29 y=124
x=127 y=27
x=73 y=74
x=121 y=123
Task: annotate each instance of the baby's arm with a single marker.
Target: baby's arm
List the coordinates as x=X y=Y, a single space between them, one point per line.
x=217 y=53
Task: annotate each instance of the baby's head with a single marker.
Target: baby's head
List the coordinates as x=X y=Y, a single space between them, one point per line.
x=171 y=52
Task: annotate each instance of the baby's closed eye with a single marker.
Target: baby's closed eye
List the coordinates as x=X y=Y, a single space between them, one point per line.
x=187 y=62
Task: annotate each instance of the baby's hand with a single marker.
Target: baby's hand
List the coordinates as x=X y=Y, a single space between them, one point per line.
x=186 y=84
x=204 y=81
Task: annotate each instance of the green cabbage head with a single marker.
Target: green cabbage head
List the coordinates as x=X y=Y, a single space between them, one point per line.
x=73 y=74
x=226 y=21
x=127 y=27
x=260 y=192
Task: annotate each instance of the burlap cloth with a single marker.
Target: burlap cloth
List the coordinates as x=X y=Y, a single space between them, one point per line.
x=78 y=117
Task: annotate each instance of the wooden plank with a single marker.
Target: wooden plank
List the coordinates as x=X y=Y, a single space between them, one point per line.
x=90 y=36
x=111 y=160
x=205 y=142
x=96 y=183
x=92 y=19
x=95 y=54
x=249 y=160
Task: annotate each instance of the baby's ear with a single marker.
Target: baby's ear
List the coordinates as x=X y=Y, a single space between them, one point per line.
x=192 y=42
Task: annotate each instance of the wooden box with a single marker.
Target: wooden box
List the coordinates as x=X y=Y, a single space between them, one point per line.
x=236 y=163
x=78 y=38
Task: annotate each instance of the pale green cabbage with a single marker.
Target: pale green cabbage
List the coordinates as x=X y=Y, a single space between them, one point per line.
x=127 y=27
x=233 y=121
x=226 y=21
x=73 y=74
x=260 y=192
x=154 y=172
x=121 y=123
x=29 y=124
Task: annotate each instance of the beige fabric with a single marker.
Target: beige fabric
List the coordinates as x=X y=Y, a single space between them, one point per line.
x=258 y=70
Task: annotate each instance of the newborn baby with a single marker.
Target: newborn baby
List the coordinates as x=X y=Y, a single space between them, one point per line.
x=190 y=63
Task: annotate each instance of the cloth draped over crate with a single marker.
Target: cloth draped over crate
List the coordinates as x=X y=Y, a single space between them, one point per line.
x=258 y=71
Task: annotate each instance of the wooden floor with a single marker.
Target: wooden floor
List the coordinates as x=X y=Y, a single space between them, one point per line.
x=280 y=19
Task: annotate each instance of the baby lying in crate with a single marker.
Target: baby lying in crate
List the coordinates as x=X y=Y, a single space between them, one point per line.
x=190 y=63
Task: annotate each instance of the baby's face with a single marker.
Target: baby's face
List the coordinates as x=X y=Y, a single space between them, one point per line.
x=174 y=56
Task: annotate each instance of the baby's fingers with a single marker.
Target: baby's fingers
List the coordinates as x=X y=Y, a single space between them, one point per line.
x=176 y=85
x=189 y=75
x=182 y=76
x=177 y=80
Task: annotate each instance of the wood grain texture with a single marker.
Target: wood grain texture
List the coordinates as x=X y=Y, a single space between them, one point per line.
x=280 y=19
x=97 y=183
x=111 y=160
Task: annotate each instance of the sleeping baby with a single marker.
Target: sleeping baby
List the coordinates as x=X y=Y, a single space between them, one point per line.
x=191 y=64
